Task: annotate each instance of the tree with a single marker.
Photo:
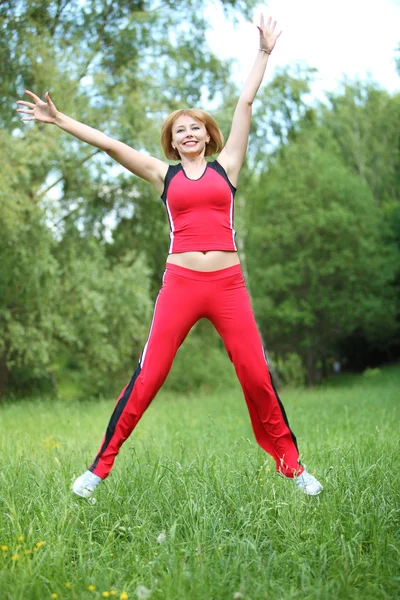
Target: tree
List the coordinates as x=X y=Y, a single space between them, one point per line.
x=120 y=66
x=321 y=256
x=364 y=120
x=28 y=270
x=104 y=312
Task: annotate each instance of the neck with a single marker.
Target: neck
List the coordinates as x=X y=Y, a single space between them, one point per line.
x=193 y=161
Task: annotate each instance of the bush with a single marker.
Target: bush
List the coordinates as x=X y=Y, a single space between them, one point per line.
x=201 y=363
x=290 y=369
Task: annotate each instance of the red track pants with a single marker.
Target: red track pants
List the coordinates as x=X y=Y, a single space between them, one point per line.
x=185 y=297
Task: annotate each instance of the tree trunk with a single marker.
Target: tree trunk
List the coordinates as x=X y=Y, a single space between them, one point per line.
x=3 y=375
x=311 y=365
x=54 y=383
x=324 y=369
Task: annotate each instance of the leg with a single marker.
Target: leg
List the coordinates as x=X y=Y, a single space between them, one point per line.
x=234 y=320
x=174 y=315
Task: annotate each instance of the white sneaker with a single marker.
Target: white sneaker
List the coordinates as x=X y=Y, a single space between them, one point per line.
x=85 y=484
x=308 y=483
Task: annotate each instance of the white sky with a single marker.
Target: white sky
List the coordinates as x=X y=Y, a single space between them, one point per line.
x=337 y=37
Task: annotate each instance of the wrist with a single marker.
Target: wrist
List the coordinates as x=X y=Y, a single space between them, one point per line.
x=58 y=119
x=265 y=50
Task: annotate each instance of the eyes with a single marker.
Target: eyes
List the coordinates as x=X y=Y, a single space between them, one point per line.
x=181 y=129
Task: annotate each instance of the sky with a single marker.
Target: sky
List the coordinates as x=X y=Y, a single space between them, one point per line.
x=340 y=37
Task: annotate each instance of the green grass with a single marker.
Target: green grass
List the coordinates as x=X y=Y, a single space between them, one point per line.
x=193 y=470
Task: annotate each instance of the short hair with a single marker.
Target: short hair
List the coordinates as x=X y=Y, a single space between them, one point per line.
x=215 y=144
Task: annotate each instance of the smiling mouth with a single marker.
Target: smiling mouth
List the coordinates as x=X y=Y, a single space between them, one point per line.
x=190 y=142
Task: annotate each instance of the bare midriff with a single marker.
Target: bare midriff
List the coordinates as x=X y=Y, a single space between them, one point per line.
x=211 y=260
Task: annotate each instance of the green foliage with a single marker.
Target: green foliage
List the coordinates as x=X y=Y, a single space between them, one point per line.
x=83 y=243
x=201 y=364
x=120 y=66
x=104 y=312
x=365 y=123
x=290 y=369
x=279 y=110
x=28 y=277
x=320 y=253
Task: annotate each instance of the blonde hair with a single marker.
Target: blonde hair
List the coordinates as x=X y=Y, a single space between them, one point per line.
x=215 y=144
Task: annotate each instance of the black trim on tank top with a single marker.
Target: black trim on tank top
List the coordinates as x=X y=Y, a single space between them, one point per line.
x=221 y=171
x=174 y=169
x=201 y=176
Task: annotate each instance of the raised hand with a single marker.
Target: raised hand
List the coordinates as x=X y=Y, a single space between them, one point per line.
x=39 y=110
x=268 y=35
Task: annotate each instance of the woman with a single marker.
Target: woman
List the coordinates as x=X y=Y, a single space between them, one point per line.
x=203 y=276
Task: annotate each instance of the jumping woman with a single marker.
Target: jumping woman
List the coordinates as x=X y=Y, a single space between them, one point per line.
x=203 y=277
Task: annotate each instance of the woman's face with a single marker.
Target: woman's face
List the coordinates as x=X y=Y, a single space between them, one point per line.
x=189 y=136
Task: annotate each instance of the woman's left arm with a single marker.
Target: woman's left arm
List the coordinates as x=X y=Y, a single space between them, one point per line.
x=234 y=151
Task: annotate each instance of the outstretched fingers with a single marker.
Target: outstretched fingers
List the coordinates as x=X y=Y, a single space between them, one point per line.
x=28 y=110
x=32 y=95
x=269 y=32
x=269 y=25
x=28 y=104
x=38 y=110
x=48 y=99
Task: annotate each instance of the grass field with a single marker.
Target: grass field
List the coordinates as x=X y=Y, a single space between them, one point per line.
x=193 y=509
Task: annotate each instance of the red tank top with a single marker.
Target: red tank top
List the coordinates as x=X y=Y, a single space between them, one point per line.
x=200 y=211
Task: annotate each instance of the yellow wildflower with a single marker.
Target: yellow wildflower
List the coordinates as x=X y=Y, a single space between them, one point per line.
x=54 y=596
x=68 y=585
x=15 y=557
x=4 y=548
x=50 y=443
x=21 y=538
x=91 y=588
x=40 y=544
x=113 y=593
x=123 y=596
x=106 y=594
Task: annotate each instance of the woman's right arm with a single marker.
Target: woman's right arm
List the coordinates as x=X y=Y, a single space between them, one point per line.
x=147 y=167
